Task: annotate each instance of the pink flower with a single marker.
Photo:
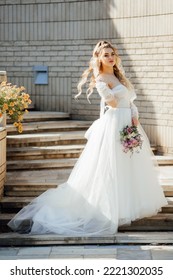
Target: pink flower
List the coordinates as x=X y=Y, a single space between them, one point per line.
x=130 y=139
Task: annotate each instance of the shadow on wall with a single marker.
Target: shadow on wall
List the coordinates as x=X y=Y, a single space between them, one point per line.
x=62 y=38
x=135 y=71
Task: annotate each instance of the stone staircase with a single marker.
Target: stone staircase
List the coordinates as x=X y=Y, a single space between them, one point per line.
x=42 y=157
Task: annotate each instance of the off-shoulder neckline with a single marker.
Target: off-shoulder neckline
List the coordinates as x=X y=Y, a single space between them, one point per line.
x=117 y=86
x=110 y=88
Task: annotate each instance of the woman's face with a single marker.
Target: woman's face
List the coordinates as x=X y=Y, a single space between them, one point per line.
x=107 y=57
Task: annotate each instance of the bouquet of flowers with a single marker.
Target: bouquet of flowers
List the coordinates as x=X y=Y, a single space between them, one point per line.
x=131 y=139
x=14 y=102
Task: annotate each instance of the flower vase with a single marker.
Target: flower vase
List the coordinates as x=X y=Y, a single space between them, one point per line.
x=2 y=120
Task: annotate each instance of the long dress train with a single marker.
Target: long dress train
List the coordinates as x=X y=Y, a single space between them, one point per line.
x=106 y=187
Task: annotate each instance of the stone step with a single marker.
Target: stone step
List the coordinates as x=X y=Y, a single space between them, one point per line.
x=4 y=219
x=153 y=148
x=168 y=188
x=126 y=238
x=50 y=126
x=53 y=175
x=167 y=209
x=36 y=116
x=41 y=164
x=159 y=222
x=29 y=187
x=14 y=204
x=45 y=152
x=46 y=139
x=45 y=175
x=166 y=174
x=22 y=179
x=164 y=160
x=51 y=162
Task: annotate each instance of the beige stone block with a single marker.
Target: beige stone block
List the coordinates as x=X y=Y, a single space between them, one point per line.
x=27 y=1
x=163 y=253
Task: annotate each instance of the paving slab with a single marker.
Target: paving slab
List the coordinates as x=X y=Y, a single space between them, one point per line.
x=9 y=258
x=69 y=256
x=66 y=249
x=162 y=253
x=102 y=256
x=8 y=251
x=31 y=251
x=119 y=252
x=133 y=253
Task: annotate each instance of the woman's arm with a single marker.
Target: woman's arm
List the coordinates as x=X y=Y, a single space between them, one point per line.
x=112 y=103
x=135 y=114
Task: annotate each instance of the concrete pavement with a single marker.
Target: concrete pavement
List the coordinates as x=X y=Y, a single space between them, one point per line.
x=119 y=252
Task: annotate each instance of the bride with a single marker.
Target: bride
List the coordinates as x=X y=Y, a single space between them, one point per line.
x=107 y=186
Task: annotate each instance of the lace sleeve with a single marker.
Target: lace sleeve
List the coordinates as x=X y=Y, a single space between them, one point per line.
x=104 y=91
x=134 y=110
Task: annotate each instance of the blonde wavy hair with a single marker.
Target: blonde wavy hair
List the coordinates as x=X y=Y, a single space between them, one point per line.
x=95 y=69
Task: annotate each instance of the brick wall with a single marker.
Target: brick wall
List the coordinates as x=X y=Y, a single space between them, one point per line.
x=61 y=34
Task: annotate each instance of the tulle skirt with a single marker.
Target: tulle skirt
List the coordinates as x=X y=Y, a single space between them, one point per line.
x=105 y=189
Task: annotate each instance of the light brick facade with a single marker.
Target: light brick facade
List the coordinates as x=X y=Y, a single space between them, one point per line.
x=61 y=34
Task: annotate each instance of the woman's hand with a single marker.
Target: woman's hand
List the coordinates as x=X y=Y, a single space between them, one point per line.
x=112 y=103
x=135 y=121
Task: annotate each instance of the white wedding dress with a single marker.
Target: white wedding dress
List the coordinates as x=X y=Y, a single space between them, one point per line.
x=106 y=188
